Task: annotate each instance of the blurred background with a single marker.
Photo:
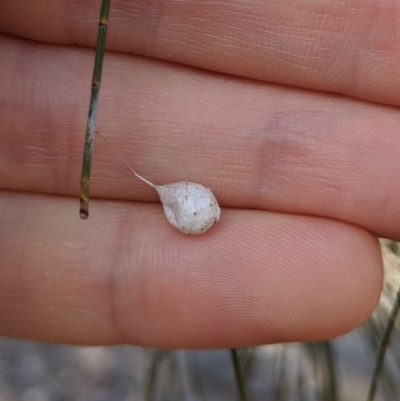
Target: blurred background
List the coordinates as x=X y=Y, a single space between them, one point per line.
x=335 y=370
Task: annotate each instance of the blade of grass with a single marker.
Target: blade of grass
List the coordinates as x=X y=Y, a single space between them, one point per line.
x=383 y=347
x=322 y=357
x=239 y=376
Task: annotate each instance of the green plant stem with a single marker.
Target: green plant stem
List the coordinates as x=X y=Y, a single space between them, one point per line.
x=383 y=347
x=94 y=99
x=330 y=392
x=239 y=376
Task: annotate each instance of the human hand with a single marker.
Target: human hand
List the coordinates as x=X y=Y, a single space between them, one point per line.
x=304 y=175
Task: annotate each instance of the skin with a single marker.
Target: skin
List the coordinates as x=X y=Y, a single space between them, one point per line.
x=286 y=110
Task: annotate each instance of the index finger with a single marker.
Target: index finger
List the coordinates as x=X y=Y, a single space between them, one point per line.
x=257 y=146
x=350 y=47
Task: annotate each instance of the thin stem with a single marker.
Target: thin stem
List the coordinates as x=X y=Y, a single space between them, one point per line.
x=153 y=374
x=119 y=155
x=94 y=97
x=330 y=390
x=383 y=347
x=239 y=375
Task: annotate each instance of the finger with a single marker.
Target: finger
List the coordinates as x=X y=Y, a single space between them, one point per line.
x=347 y=47
x=257 y=146
x=126 y=276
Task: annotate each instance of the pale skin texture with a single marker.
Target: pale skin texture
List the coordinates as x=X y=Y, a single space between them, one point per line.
x=307 y=178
